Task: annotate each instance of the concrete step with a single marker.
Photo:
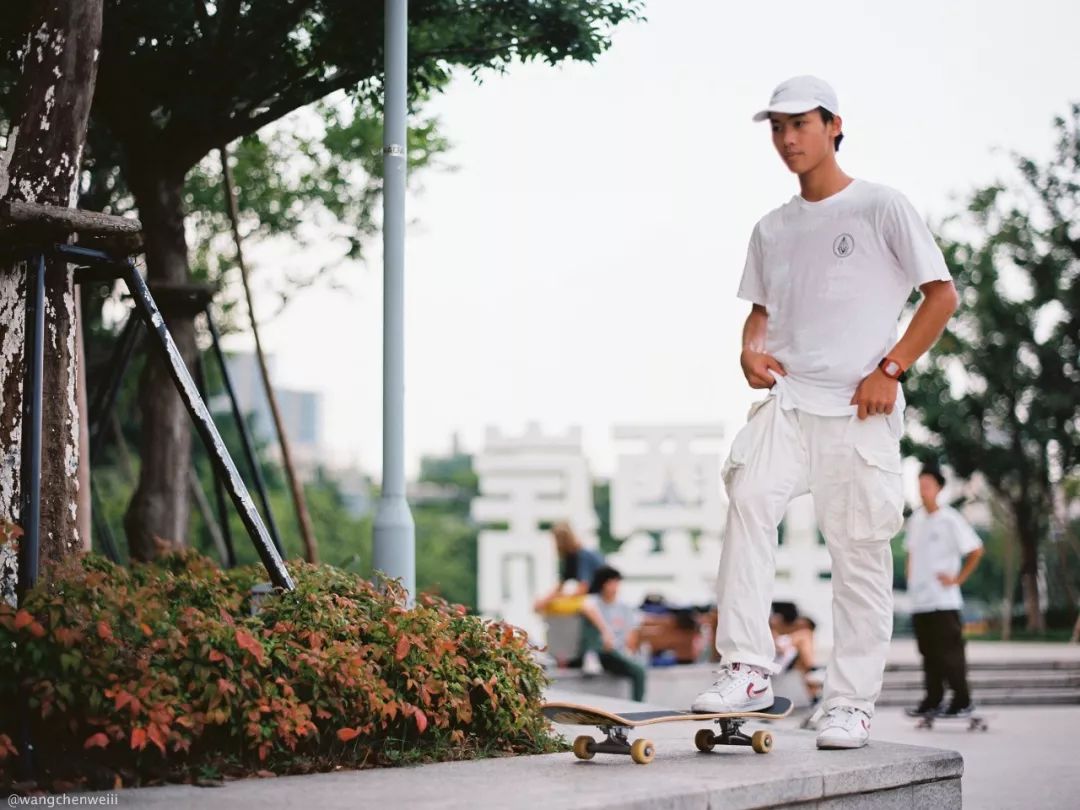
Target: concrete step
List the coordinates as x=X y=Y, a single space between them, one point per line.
x=983 y=697
x=1055 y=665
x=794 y=775
x=1018 y=680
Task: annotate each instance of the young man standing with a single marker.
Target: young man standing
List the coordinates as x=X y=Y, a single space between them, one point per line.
x=827 y=274
x=943 y=551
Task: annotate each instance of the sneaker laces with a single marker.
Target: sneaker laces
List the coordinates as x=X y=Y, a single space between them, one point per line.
x=731 y=676
x=845 y=717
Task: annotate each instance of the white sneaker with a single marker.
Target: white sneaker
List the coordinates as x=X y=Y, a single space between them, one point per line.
x=844 y=727
x=740 y=688
x=590 y=664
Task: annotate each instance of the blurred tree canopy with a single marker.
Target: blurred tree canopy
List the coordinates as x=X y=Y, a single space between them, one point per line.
x=179 y=79
x=999 y=397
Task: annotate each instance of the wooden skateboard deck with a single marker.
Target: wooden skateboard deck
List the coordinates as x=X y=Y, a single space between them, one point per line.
x=616 y=728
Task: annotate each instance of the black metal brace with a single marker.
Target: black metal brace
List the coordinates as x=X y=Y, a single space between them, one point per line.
x=102 y=265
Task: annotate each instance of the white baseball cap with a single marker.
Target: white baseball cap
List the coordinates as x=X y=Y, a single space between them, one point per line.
x=799 y=95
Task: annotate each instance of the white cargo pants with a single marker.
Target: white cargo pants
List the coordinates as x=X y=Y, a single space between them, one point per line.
x=851 y=467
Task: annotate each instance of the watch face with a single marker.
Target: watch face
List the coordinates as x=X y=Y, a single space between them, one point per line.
x=892 y=368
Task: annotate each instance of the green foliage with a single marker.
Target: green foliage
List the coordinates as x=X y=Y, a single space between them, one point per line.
x=997 y=397
x=163 y=673
x=310 y=181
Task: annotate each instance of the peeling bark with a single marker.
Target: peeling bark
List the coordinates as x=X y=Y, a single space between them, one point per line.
x=40 y=165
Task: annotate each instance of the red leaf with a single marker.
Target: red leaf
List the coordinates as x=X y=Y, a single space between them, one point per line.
x=248 y=642
x=22 y=619
x=346 y=734
x=156 y=737
x=216 y=655
x=421 y=721
x=103 y=630
x=7 y=747
x=36 y=630
x=99 y=740
x=403 y=646
x=138 y=738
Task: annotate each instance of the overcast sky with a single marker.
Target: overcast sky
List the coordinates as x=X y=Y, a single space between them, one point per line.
x=580 y=265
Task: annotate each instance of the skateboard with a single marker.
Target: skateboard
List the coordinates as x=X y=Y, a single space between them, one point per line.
x=975 y=722
x=616 y=728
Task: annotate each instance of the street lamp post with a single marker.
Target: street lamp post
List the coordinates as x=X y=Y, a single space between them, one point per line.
x=395 y=532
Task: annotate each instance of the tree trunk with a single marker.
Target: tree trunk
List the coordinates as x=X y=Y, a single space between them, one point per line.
x=1027 y=525
x=157 y=517
x=41 y=165
x=307 y=534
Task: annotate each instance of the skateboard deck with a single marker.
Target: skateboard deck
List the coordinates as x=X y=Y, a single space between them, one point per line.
x=616 y=727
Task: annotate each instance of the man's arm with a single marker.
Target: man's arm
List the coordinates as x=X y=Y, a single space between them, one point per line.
x=756 y=364
x=971 y=562
x=876 y=394
x=589 y=611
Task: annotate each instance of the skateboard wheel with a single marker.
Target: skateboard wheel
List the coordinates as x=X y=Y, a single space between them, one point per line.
x=761 y=742
x=583 y=748
x=705 y=740
x=642 y=751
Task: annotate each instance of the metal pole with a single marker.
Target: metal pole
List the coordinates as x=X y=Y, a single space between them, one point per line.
x=104 y=399
x=245 y=436
x=204 y=423
x=394 y=531
x=30 y=508
x=219 y=488
x=30 y=545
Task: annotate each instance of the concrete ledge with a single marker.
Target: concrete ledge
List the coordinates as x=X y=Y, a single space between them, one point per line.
x=795 y=774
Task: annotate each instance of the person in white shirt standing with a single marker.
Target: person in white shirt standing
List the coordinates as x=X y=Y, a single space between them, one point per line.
x=827 y=275
x=943 y=551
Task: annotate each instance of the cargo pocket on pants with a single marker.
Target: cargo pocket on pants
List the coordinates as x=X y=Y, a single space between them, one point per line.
x=877 y=506
x=740 y=445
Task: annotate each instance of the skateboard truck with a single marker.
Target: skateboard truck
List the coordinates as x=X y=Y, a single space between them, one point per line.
x=615 y=742
x=731 y=734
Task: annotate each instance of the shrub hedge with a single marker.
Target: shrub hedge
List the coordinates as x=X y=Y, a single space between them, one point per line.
x=161 y=672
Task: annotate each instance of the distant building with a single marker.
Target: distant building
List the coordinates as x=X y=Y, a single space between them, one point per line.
x=301 y=413
x=356 y=489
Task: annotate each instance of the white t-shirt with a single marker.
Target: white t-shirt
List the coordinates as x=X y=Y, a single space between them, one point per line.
x=620 y=618
x=937 y=544
x=834 y=276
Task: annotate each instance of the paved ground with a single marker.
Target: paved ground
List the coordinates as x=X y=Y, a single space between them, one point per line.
x=1029 y=758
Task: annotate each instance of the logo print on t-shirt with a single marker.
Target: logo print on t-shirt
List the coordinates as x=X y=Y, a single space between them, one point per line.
x=844 y=245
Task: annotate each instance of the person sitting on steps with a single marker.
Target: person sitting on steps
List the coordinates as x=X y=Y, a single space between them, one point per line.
x=610 y=630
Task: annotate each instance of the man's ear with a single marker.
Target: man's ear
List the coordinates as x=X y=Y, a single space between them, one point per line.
x=837 y=125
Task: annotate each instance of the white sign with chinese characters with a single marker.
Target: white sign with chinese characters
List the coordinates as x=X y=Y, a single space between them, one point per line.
x=527 y=483
x=667 y=500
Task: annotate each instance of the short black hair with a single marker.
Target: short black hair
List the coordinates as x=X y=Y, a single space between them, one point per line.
x=934 y=472
x=827 y=117
x=603 y=575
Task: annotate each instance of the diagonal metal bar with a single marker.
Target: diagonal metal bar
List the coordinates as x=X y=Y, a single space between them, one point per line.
x=245 y=435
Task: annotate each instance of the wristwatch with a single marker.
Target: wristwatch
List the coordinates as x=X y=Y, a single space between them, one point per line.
x=892 y=369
